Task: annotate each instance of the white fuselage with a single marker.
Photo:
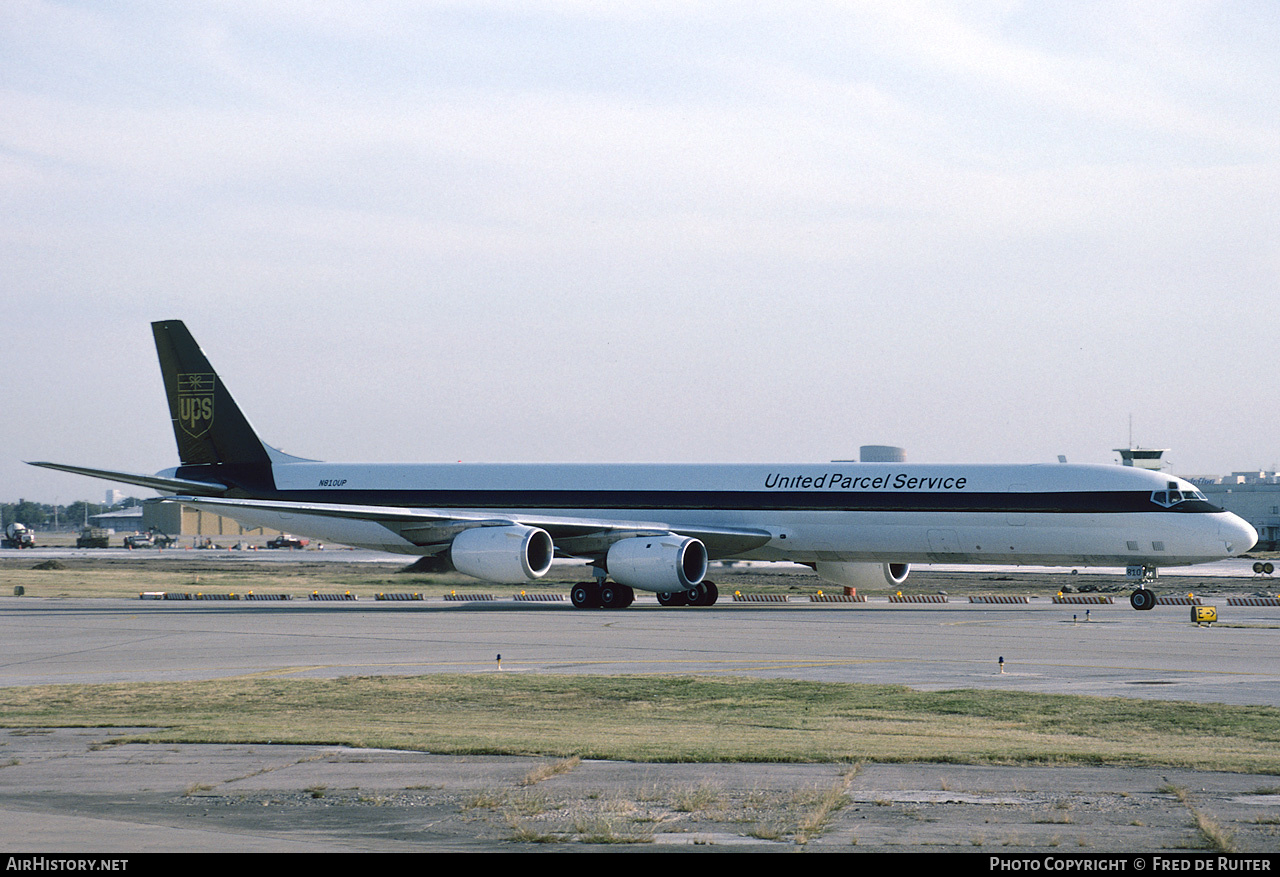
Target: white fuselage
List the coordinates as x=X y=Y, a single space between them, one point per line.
x=1053 y=514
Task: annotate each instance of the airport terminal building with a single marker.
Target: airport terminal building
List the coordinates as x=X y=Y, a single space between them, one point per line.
x=1254 y=496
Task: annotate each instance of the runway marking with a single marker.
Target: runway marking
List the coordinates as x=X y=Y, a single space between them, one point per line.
x=279 y=671
x=1029 y=668
x=969 y=668
x=553 y=665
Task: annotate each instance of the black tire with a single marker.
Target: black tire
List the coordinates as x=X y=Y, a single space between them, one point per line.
x=710 y=593
x=616 y=596
x=673 y=598
x=1142 y=599
x=585 y=595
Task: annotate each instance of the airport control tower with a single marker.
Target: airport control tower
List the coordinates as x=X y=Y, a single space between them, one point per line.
x=1142 y=458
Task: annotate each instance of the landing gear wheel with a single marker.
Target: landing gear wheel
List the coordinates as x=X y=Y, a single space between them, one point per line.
x=1142 y=599
x=710 y=593
x=585 y=595
x=674 y=598
x=616 y=596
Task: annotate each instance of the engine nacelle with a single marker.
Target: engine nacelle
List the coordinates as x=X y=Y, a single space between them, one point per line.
x=658 y=563
x=502 y=554
x=862 y=575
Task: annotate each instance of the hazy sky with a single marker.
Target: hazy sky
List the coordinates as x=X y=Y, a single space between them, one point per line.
x=643 y=231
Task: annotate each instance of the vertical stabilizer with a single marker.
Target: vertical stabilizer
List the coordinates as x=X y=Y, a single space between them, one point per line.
x=207 y=423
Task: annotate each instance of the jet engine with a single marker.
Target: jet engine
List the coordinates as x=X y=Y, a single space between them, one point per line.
x=664 y=564
x=862 y=575
x=502 y=554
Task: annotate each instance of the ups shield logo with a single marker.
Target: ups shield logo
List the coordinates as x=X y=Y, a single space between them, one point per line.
x=195 y=403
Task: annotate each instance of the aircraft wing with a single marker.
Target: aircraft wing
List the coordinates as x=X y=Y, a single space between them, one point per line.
x=435 y=528
x=155 y=482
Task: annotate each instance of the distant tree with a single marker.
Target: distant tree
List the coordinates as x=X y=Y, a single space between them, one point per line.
x=30 y=513
x=74 y=515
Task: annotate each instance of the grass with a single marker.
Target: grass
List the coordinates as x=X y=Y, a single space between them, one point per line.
x=547 y=771
x=1212 y=835
x=668 y=719
x=704 y=796
x=821 y=806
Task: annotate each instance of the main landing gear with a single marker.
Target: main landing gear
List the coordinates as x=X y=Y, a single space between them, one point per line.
x=601 y=595
x=608 y=595
x=704 y=594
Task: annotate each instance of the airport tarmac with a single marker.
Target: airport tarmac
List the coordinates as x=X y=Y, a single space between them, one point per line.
x=1073 y=649
x=67 y=789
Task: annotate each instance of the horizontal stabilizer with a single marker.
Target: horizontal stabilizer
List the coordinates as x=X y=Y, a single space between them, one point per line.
x=155 y=482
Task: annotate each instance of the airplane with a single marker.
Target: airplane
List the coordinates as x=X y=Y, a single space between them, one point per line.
x=656 y=527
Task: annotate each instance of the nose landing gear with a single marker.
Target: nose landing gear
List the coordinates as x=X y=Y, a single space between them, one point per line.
x=1142 y=599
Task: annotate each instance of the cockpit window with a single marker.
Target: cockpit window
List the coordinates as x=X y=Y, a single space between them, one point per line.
x=1170 y=498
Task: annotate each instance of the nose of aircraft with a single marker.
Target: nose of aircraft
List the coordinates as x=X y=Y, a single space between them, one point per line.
x=1237 y=533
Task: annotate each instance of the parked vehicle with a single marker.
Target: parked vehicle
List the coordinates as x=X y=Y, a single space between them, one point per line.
x=94 y=537
x=284 y=540
x=153 y=538
x=19 y=536
x=160 y=539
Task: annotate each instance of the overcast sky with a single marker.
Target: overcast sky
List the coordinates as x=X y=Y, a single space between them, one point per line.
x=643 y=231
